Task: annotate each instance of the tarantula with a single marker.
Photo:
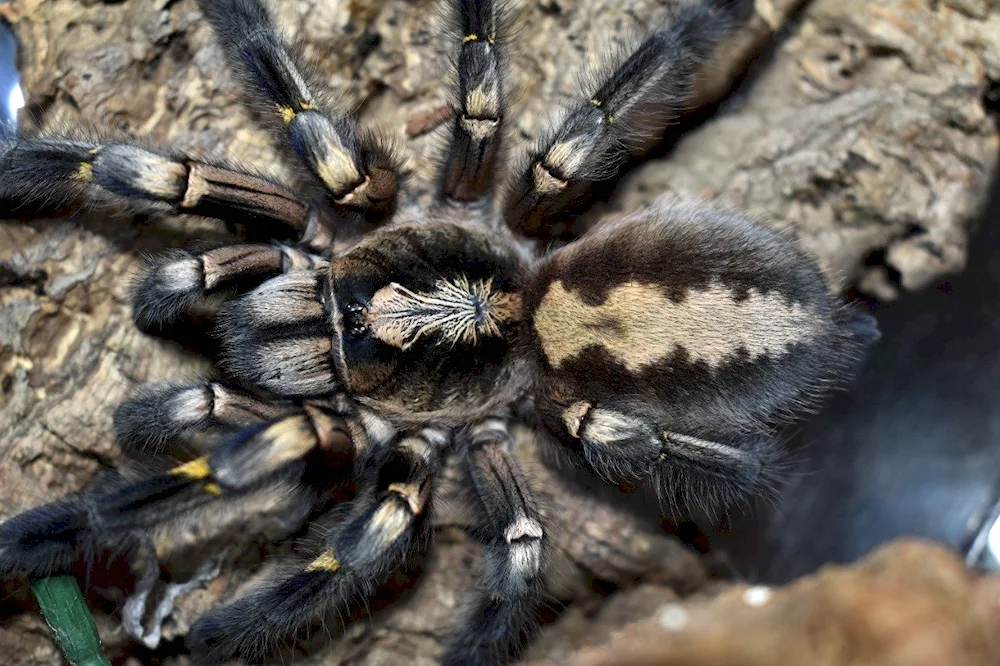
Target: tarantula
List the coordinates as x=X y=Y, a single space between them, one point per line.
x=664 y=348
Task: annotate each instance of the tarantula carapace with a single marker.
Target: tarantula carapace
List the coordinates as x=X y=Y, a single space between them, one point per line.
x=663 y=348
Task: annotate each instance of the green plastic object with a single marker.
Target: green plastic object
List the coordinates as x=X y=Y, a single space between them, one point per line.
x=69 y=620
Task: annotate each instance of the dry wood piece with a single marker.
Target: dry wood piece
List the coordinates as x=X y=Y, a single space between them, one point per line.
x=910 y=603
x=867 y=135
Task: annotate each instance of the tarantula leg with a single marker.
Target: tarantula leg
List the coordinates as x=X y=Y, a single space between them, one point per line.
x=502 y=614
x=261 y=452
x=279 y=337
x=38 y=175
x=51 y=537
x=469 y=168
x=623 y=114
x=360 y=172
x=178 y=285
x=165 y=413
x=387 y=525
x=686 y=470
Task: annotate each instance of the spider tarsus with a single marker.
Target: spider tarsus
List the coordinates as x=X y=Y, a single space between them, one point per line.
x=387 y=524
x=159 y=414
x=168 y=290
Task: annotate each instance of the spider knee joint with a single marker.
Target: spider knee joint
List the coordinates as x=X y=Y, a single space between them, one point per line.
x=604 y=427
x=480 y=129
x=523 y=529
x=525 y=540
x=546 y=182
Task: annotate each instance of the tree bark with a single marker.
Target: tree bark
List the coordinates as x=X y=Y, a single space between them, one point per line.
x=868 y=132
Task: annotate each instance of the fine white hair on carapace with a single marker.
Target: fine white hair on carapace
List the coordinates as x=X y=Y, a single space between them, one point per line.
x=456 y=310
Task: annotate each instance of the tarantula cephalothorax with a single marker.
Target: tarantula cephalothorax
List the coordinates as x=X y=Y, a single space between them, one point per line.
x=663 y=348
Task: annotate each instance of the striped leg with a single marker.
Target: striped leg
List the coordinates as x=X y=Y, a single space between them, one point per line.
x=115 y=515
x=161 y=415
x=179 y=285
x=469 y=168
x=622 y=115
x=388 y=524
x=502 y=614
x=359 y=171
x=39 y=175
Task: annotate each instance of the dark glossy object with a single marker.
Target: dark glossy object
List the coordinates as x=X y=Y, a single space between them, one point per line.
x=912 y=449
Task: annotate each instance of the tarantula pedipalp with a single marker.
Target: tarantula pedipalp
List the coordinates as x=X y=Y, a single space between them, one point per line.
x=664 y=348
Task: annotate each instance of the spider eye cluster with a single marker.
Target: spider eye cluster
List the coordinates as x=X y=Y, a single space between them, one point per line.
x=354 y=320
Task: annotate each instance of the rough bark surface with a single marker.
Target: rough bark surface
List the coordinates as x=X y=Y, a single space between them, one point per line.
x=868 y=133
x=910 y=602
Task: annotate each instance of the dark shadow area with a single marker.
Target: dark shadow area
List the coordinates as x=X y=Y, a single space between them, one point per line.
x=913 y=448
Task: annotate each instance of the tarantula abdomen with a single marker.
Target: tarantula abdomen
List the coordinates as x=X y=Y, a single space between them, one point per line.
x=675 y=340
